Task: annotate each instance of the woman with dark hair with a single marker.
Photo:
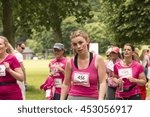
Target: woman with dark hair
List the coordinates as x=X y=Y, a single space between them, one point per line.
x=55 y=79
x=128 y=74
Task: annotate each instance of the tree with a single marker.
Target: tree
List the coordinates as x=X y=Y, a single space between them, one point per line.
x=7 y=20
x=55 y=11
x=129 y=20
x=21 y=16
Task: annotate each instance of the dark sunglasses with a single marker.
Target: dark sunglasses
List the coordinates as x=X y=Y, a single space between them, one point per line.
x=57 y=50
x=22 y=48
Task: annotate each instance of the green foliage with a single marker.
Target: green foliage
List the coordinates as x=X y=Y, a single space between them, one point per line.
x=128 y=19
x=69 y=25
x=51 y=13
x=40 y=41
x=105 y=21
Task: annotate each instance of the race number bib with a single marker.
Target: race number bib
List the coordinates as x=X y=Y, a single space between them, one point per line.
x=2 y=70
x=58 y=82
x=81 y=78
x=50 y=92
x=125 y=73
x=110 y=65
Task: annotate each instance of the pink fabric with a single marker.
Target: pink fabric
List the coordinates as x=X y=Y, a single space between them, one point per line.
x=143 y=92
x=58 y=74
x=115 y=50
x=111 y=83
x=48 y=84
x=10 y=91
x=92 y=90
x=136 y=70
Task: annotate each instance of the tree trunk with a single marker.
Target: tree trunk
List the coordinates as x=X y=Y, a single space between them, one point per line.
x=7 y=20
x=58 y=33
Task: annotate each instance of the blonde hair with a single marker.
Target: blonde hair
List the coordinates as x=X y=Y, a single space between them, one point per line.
x=143 y=54
x=5 y=40
x=80 y=33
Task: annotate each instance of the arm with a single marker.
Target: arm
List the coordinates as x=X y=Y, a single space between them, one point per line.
x=24 y=72
x=16 y=73
x=51 y=72
x=117 y=81
x=102 y=77
x=140 y=81
x=115 y=78
x=60 y=68
x=67 y=81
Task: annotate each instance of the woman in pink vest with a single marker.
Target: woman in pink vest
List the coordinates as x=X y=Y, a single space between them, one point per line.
x=10 y=72
x=55 y=79
x=128 y=74
x=85 y=73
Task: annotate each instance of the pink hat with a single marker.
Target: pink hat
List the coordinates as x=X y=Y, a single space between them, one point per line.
x=115 y=50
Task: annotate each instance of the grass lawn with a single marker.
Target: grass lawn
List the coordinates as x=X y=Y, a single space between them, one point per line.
x=37 y=71
x=148 y=90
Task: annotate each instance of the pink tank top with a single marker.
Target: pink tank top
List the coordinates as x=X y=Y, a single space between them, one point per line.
x=58 y=75
x=124 y=72
x=84 y=81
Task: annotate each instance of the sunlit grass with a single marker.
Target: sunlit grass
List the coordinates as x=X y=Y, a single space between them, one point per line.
x=37 y=71
x=148 y=90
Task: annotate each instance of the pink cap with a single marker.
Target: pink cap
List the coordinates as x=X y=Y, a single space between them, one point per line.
x=115 y=50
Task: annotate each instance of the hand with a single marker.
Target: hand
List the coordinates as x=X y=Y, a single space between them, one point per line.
x=131 y=79
x=51 y=72
x=59 y=68
x=120 y=82
x=7 y=66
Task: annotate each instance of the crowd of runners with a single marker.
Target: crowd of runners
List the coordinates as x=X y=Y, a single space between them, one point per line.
x=84 y=76
x=88 y=76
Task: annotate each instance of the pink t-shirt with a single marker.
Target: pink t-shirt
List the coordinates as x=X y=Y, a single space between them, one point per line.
x=84 y=81
x=13 y=63
x=9 y=91
x=58 y=75
x=124 y=72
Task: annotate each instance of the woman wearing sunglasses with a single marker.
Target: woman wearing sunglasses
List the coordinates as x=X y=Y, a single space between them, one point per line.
x=53 y=83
